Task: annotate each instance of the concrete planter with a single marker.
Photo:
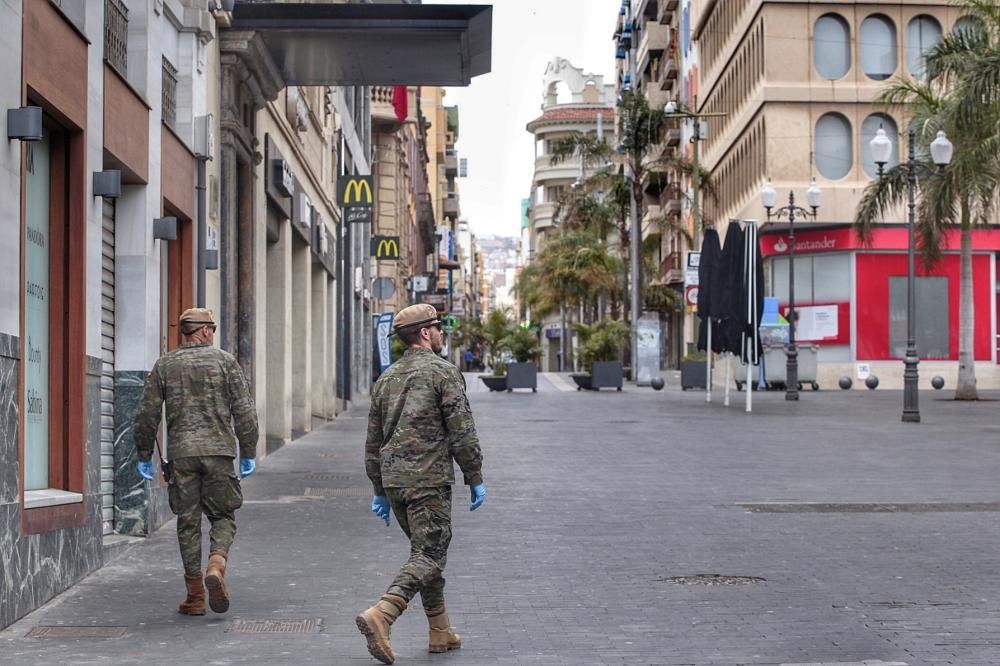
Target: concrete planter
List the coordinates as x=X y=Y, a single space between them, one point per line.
x=693 y=374
x=607 y=374
x=494 y=383
x=522 y=376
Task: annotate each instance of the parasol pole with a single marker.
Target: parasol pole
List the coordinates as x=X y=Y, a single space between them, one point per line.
x=708 y=364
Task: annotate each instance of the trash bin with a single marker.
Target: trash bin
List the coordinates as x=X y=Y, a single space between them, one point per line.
x=776 y=366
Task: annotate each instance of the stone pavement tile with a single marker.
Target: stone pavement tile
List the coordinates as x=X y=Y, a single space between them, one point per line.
x=597 y=500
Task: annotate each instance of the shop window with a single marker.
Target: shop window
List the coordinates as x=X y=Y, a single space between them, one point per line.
x=878 y=47
x=823 y=278
x=922 y=34
x=834 y=151
x=832 y=47
x=869 y=128
x=932 y=320
x=53 y=353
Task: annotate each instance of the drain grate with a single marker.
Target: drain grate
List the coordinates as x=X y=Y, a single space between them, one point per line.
x=307 y=626
x=338 y=492
x=62 y=631
x=868 y=507
x=712 y=579
x=327 y=476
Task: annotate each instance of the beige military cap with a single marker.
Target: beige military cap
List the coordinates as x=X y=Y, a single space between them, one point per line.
x=197 y=316
x=421 y=314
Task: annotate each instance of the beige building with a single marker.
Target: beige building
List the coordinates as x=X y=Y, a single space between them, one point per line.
x=797 y=82
x=574 y=102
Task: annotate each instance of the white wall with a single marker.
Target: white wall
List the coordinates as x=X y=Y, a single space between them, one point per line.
x=10 y=170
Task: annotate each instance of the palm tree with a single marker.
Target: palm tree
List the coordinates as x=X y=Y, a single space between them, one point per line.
x=964 y=195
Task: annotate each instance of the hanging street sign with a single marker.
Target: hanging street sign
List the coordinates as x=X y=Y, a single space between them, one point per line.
x=691 y=270
x=358 y=215
x=385 y=248
x=383 y=326
x=355 y=191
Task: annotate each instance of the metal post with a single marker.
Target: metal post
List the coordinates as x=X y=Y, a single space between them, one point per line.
x=695 y=179
x=792 y=366
x=636 y=242
x=202 y=233
x=911 y=398
x=562 y=338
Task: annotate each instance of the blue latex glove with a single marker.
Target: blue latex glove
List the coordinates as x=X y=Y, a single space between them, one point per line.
x=247 y=467
x=380 y=507
x=146 y=469
x=478 y=496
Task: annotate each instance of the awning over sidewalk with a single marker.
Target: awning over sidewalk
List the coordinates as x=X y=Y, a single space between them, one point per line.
x=348 y=44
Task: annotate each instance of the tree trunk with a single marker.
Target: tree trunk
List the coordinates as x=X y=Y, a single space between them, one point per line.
x=966 y=388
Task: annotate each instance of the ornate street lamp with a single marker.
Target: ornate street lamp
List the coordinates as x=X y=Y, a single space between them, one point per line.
x=769 y=197
x=941 y=151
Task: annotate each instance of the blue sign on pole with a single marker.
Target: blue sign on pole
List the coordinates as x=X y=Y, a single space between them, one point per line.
x=382 y=330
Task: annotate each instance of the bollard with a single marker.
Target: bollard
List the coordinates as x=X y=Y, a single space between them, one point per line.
x=871 y=382
x=845 y=382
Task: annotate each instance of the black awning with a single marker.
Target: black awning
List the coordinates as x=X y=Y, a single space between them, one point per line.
x=349 y=44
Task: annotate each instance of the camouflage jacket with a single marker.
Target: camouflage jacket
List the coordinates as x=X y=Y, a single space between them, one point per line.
x=419 y=422
x=206 y=395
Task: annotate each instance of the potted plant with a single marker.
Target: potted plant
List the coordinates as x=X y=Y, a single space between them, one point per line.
x=523 y=373
x=693 y=371
x=601 y=347
x=495 y=335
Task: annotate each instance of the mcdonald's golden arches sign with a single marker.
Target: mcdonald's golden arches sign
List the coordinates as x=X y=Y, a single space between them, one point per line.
x=355 y=190
x=385 y=248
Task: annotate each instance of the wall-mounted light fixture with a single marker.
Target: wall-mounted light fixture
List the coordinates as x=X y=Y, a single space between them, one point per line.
x=25 y=123
x=108 y=183
x=165 y=228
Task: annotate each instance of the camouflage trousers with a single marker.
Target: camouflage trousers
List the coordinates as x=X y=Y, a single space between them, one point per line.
x=425 y=516
x=209 y=485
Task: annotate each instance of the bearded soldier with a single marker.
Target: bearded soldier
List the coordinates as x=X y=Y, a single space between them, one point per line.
x=419 y=423
x=208 y=409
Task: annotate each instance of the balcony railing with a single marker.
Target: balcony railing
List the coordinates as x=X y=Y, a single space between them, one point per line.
x=667 y=9
x=116 y=35
x=670 y=268
x=169 y=93
x=383 y=112
x=667 y=75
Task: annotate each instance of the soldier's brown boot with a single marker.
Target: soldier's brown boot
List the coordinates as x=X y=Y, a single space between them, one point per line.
x=215 y=581
x=194 y=604
x=375 y=624
x=442 y=636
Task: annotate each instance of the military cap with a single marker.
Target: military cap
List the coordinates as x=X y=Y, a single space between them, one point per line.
x=412 y=316
x=197 y=316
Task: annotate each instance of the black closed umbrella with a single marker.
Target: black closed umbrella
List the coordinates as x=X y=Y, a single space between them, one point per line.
x=752 y=301
x=709 y=288
x=730 y=293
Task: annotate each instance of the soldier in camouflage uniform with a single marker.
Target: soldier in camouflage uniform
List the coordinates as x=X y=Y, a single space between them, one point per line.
x=419 y=422
x=206 y=394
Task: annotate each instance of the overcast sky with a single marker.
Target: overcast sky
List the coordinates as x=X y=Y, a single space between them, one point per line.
x=527 y=34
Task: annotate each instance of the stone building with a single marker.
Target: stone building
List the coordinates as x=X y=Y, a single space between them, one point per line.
x=158 y=157
x=573 y=101
x=798 y=82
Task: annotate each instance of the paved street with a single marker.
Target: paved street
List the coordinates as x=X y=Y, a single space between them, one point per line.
x=860 y=538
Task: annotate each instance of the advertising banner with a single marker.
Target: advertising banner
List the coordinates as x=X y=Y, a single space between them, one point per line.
x=382 y=330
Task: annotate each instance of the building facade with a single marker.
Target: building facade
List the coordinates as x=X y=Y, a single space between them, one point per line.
x=798 y=83
x=573 y=102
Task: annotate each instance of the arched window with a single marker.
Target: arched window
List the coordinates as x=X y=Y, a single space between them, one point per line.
x=965 y=24
x=922 y=34
x=869 y=127
x=878 y=47
x=832 y=47
x=834 y=151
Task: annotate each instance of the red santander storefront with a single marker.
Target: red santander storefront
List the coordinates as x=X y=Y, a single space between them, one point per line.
x=851 y=297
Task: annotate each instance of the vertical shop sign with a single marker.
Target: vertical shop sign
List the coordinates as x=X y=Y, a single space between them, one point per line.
x=36 y=316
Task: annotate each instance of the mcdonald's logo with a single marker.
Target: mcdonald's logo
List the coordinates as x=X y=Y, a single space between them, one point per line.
x=355 y=190
x=385 y=247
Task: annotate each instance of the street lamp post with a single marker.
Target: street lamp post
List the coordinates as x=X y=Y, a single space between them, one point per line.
x=768 y=197
x=941 y=150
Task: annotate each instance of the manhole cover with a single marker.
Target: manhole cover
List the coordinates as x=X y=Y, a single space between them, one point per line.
x=61 y=631
x=338 y=492
x=309 y=626
x=713 y=579
x=323 y=476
